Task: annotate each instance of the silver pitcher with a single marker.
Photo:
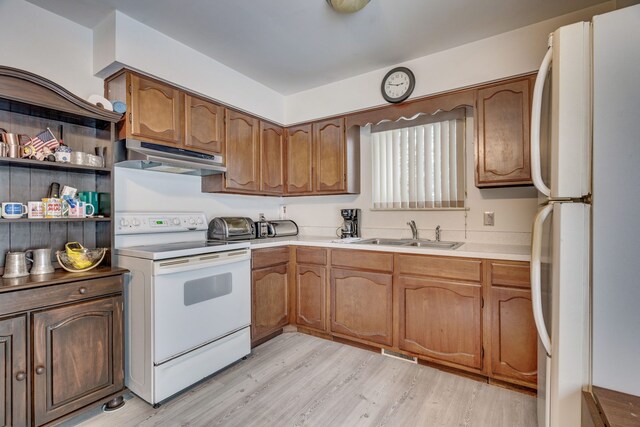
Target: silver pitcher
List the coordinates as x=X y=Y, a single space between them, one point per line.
x=41 y=261
x=15 y=265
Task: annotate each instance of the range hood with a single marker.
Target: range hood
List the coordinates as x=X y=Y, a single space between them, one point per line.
x=154 y=157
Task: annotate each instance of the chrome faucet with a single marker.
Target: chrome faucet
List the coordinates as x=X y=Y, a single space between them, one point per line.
x=437 y=233
x=414 y=229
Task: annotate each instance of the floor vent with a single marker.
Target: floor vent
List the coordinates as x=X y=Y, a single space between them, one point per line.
x=400 y=356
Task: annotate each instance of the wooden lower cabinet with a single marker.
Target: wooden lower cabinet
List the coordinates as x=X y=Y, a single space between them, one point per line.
x=441 y=319
x=514 y=341
x=14 y=381
x=361 y=305
x=76 y=356
x=311 y=291
x=270 y=300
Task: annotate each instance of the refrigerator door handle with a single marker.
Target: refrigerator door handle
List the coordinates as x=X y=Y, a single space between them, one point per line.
x=536 y=279
x=536 y=112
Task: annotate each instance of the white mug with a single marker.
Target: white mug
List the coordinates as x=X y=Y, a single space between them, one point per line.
x=36 y=210
x=13 y=210
x=81 y=210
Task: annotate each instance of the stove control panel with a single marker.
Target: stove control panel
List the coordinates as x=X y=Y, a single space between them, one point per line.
x=159 y=222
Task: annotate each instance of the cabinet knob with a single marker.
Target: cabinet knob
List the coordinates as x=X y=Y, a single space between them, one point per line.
x=40 y=370
x=20 y=376
x=82 y=290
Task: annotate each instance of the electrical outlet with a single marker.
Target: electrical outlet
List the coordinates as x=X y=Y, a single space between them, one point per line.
x=489 y=218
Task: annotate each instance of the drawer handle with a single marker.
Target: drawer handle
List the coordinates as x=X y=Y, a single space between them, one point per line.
x=40 y=370
x=82 y=290
x=20 y=376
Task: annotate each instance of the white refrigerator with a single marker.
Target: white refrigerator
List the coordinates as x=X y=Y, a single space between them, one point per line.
x=585 y=260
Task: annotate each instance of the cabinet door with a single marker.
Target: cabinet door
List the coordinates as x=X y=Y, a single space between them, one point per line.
x=503 y=155
x=242 y=151
x=204 y=125
x=330 y=155
x=441 y=319
x=13 y=382
x=270 y=300
x=299 y=160
x=361 y=305
x=271 y=158
x=514 y=341
x=156 y=112
x=77 y=356
x=311 y=291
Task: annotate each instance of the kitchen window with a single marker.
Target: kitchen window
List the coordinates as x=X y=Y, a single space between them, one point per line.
x=419 y=163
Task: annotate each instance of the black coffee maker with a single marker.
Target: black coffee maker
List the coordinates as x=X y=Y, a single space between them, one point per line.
x=351 y=225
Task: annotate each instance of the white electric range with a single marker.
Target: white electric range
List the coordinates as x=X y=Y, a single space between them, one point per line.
x=187 y=301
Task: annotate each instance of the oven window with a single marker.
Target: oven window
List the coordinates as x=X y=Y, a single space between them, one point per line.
x=207 y=288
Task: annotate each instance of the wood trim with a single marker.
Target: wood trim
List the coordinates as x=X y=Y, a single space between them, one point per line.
x=26 y=87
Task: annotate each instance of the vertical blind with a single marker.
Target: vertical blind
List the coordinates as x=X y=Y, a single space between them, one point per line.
x=419 y=166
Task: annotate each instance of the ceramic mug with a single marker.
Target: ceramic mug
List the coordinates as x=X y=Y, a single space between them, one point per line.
x=35 y=210
x=81 y=210
x=91 y=197
x=13 y=210
x=52 y=208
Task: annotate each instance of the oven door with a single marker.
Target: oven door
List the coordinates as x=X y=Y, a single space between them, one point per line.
x=198 y=300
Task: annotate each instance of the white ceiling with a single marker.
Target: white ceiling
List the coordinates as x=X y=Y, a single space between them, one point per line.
x=293 y=45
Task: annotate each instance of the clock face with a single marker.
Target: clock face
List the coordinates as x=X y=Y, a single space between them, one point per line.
x=398 y=84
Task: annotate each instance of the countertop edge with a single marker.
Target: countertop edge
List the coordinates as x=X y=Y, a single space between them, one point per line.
x=504 y=256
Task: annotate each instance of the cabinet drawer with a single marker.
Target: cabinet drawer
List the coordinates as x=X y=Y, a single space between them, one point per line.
x=514 y=274
x=311 y=256
x=28 y=299
x=267 y=257
x=447 y=268
x=365 y=260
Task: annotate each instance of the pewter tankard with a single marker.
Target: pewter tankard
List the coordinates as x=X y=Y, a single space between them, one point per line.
x=15 y=265
x=41 y=261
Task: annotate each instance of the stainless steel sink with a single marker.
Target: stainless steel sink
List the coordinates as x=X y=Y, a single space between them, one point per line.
x=433 y=244
x=409 y=242
x=378 y=241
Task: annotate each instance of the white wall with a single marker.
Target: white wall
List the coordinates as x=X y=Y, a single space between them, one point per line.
x=121 y=40
x=137 y=190
x=504 y=55
x=514 y=209
x=46 y=44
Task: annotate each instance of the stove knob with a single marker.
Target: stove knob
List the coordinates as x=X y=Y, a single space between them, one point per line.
x=200 y=221
x=124 y=222
x=136 y=223
x=176 y=221
x=192 y=221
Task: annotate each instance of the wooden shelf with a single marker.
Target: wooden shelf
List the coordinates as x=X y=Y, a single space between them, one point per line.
x=27 y=220
x=58 y=277
x=39 y=164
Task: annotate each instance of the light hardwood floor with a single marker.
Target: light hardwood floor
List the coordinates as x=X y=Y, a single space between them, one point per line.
x=299 y=380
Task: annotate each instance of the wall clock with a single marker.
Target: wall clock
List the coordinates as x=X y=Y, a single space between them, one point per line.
x=398 y=84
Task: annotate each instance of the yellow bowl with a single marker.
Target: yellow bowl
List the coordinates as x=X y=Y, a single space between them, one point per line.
x=88 y=259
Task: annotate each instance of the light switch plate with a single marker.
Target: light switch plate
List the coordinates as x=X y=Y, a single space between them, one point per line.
x=489 y=218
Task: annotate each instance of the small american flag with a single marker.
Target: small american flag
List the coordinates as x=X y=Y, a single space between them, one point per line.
x=45 y=139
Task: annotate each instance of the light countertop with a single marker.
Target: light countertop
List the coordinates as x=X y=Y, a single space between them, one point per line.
x=467 y=250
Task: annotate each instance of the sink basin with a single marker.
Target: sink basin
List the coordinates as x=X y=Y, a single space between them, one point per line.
x=433 y=244
x=410 y=242
x=378 y=241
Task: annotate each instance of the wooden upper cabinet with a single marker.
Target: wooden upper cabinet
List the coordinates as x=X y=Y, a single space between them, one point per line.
x=242 y=152
x=330 y=155
x=156 y=111
x=441 y=319
x=13 y=381
x=503 y=120
x=204 y=125
x=361 y=305
x=299 y=160
x=77 y=356
x=271 y=158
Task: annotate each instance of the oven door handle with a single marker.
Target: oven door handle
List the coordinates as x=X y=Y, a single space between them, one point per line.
x=178 y=265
